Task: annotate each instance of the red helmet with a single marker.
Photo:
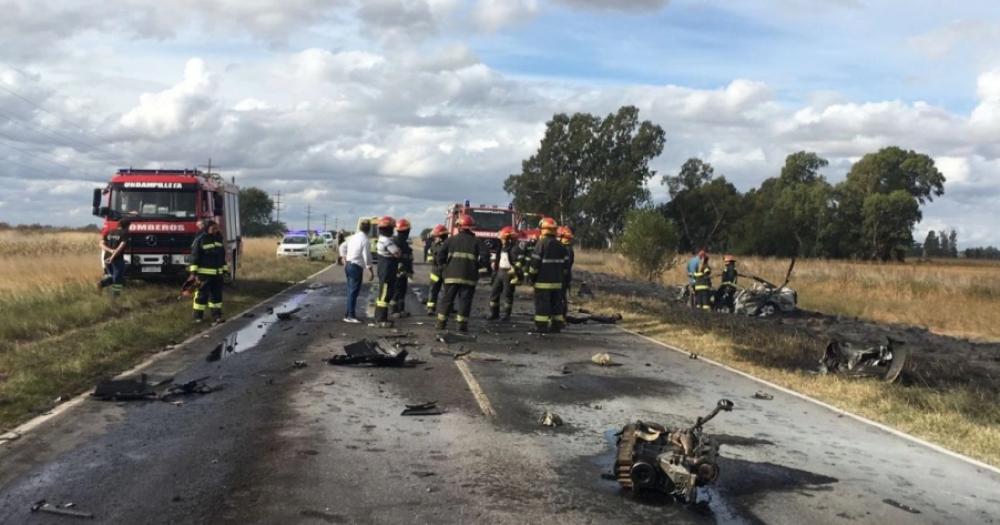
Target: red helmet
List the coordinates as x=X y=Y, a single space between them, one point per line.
x=564 y=232
x=438 y=231
x=403 y=225
x=547 y=224
x=386 y=222
x=506 y=232
x=466 y=222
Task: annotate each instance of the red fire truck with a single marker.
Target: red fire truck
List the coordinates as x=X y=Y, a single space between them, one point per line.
x=164 y=208
x=489 y=221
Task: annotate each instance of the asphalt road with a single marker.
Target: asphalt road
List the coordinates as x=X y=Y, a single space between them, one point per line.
x=325 y=444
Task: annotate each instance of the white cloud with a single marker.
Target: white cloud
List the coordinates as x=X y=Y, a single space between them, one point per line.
x=492 y=15
x=185 y=107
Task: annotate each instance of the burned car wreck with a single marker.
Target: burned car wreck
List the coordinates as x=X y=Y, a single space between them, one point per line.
x=764 y=299
x=884 y=361
x=674 y=462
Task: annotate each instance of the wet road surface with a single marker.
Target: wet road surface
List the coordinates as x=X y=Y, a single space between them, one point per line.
x=282 y=443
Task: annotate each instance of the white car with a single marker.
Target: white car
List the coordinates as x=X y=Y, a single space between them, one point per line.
x=330 y=239
x=301 y=245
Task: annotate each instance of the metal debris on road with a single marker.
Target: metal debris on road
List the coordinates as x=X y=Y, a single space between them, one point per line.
x=300 y=364
x=581 y=318
x=901 y=506
x=140 y=389
x=368 y=352
x=197 y=386
x=550 y=419
x=451 y=338
x=603 y=359
x=60 y=510
x=884 y=361
x=287 y=314
x=423 y=473
x=429 y=408
x=763 y=395
x=692 y=355
x=674 y=462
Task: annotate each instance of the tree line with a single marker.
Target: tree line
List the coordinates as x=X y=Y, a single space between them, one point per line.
x=589 y=172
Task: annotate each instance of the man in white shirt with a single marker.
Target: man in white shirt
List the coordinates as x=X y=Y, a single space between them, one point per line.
x=356 y=255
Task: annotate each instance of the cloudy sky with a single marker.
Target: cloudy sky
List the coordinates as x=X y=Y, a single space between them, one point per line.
x=402 y=106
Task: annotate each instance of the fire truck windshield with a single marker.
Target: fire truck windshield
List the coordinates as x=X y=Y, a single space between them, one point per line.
x=154 y=203
x=492 y=220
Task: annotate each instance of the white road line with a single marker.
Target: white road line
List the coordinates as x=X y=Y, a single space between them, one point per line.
x=40 y=419
x=477 y=391
x=862 y=419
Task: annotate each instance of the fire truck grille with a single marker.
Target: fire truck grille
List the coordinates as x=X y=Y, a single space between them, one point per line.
x=158 y=242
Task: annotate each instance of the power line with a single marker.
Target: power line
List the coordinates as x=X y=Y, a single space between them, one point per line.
x=8 y=143
x=50 y=134
x=58 y=116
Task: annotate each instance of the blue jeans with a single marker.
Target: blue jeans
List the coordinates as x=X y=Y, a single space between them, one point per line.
x=355 y=274
x=114 y=276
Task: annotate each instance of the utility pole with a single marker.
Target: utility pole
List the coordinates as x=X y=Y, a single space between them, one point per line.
x=336 y=223
x=308 y=217
x=277 y=207
x=324 y=222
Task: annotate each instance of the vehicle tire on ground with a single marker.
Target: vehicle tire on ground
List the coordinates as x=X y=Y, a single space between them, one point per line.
x=767 y=309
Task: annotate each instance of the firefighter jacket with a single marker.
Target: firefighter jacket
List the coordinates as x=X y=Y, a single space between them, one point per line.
x=549 y=264
x=436 y=268
x=703 y=277
x=729 y=275
x=208 y=255
x=509 y=261
x=387 y=254
x=405 y=256
x=460 y=258
x=570 y=259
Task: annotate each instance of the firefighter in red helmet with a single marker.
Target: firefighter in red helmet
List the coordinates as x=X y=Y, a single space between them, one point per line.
x=387 y=255
x=507 y=265
x=565 y=236
x=460 y=257
x=437 y=238
x=549 y=267
x=405 y=269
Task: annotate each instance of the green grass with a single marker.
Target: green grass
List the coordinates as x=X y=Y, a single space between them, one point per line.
x=59 y=345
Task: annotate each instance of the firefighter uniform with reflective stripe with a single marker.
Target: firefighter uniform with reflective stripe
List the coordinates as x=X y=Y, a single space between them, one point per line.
x=548 y=269
x=568 y=279
x=460 y=257
x=703 y=285
x=208 y=264
x=403 y=272
x=726 y=294
x=387 y=255
x=435 y=274
x=508 y=263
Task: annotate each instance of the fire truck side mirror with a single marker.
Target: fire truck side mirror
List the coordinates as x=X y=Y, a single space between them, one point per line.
x=97 y=202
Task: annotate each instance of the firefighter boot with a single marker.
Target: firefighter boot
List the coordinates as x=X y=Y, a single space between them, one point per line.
x=506 y=312
x=557 y=326
x=442 y=322
x=197 y=316
x=542 y=327
x=494 y=312
x=463 y=326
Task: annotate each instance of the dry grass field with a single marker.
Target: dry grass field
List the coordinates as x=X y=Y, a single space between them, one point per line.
x=952 y=297
x=58 y=335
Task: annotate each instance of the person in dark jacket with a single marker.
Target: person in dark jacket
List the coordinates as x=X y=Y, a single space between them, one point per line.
x=209 y=267
x=113 y=245
x=437 y=238
x=726 y=294
x=405 y=269
x=548 y=270
x=507 y=265
x=703 y=284
x=565 y=235
x=387 y=256
x=460 y=257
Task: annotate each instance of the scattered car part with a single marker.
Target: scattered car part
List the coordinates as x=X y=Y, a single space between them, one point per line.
x=429 y=408
x=300 y=364
x=43 y=506
x=550 y=419
x=582 y=318
x=368 y=352
x=764 y=299
x=603 y=359
x=127 y=389
x=196 y=386
x=674 y=462
x=287 y=314
x=451 y=338
x=763 y=395
x=884 y=361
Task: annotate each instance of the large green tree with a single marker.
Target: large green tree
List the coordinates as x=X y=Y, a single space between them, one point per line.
x=705 y=207
x=588 y=171
x=256 y=207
